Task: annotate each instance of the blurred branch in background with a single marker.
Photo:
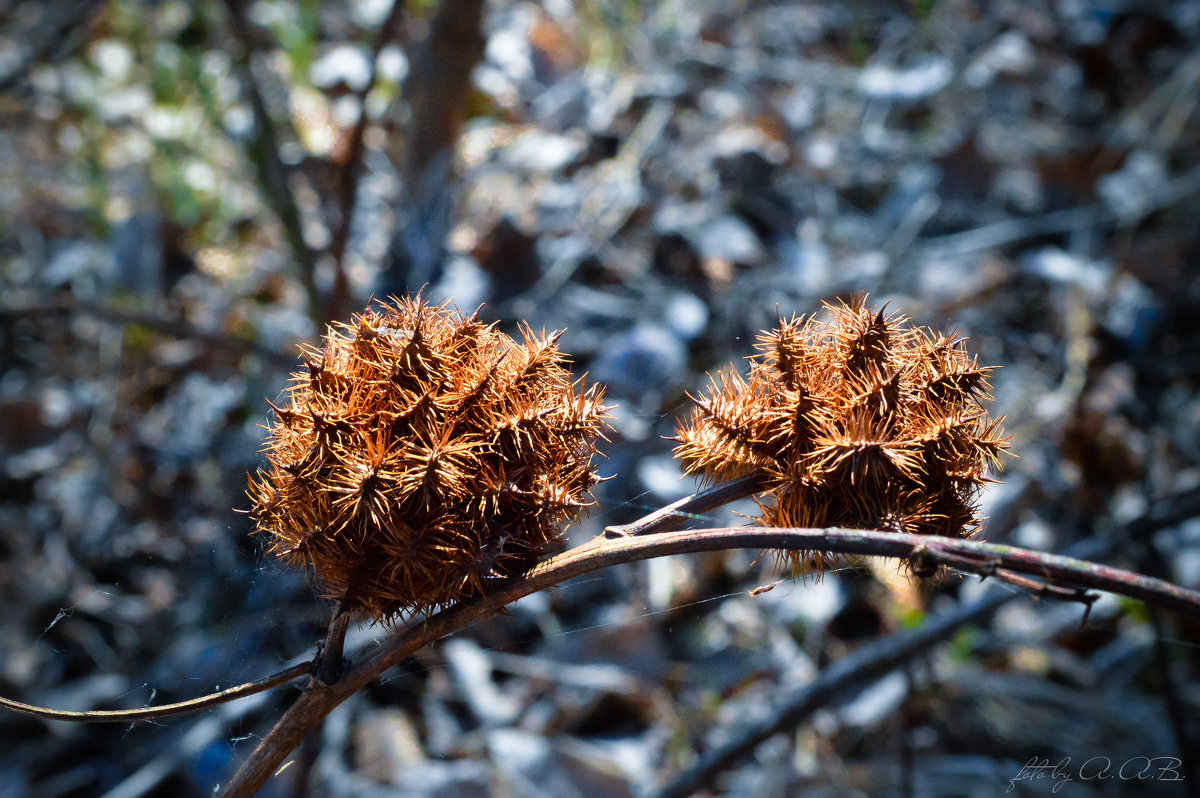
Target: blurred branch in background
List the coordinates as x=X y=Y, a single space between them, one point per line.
x=346 y=179
x=661 y=179
x=843 y=679
x=437 y=91
x=834 y=685
x=172 y=328
x=59 y=28
x=274 y=175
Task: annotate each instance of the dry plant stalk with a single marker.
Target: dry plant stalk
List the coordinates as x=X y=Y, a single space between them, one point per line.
x=861 y=421
x=426 y=462
x=421 y=455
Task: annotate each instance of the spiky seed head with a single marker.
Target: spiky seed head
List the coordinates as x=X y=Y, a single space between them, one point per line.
x=859 y=419
x=420 y=454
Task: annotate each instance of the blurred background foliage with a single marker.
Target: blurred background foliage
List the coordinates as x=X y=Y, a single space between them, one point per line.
x=190 y=189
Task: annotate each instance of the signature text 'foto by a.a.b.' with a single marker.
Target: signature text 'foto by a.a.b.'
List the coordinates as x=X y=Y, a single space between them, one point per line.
x=1097 y=768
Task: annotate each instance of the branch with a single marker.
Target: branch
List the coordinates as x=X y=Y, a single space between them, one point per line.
x=163 y=710
x=868 y=663
x=329 y=661
x=310 y=709
x=675 y=514
x=875 y=660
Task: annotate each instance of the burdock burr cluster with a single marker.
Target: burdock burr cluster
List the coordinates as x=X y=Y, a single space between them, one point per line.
x=421 y=455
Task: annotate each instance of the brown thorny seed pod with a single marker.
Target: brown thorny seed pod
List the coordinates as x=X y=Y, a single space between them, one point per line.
x=861 y=421
x=420 y=455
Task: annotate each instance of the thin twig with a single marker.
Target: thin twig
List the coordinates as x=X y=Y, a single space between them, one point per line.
x=675 y=514
x=1041 y=589
x=310 y=709
x=164 y=710
x=987 y=567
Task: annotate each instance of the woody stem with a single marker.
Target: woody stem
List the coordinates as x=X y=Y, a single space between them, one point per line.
x=329 y=668
x=310 y=709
